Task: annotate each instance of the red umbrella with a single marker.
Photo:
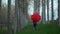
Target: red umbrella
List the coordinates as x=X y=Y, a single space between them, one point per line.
x=36 y=17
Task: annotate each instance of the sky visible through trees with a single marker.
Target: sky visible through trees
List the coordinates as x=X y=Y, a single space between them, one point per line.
x=31 y=6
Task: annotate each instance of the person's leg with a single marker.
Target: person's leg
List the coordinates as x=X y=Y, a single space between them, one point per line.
x=35 y=26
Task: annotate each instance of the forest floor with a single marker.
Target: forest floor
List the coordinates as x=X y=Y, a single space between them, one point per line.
x=42 y=29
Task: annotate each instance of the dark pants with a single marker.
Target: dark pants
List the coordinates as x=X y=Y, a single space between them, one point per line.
x=35 y=26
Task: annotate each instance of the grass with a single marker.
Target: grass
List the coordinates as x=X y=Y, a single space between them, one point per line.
x=3 y=31
x=42 y=29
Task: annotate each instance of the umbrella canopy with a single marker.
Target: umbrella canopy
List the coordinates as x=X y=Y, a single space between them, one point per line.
x=36 y=17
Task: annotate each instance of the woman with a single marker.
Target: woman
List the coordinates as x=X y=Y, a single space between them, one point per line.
x=35 y=18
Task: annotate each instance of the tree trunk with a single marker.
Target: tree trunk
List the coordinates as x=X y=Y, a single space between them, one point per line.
x=0 y=14
x=9 y=18
x=25 y=9
x=16 y=16
x=38 y=4
x=35 y=7
x=59 y=12
x=0 y=10
x=0 y=6
x=43 y=12
x=48 y=11
x=22 y=17
x=52 y=12
x=19 y=16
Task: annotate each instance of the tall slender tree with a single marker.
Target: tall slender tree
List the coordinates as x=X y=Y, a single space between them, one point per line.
x=0 y=13
x=48 y=10
x=35 y=6
x=59 y=12
x=0 y=6
x=52 y=11
x=25 y=8
x=38 y=4
x=43 y=12
x=9 y=18
x=26 y=3
x=21 y=15
x=16 y=16
x=0 y=9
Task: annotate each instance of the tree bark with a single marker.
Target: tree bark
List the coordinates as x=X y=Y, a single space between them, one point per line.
x=43 y=12
x=0 y=13
x=16 y=16
x=59 y=12
x=22 y=17
x=48 y=11
x=36 y=6
x=19 y=16
x=52 y=11
x=0 y=6
x=25 y=9
x=9 y=18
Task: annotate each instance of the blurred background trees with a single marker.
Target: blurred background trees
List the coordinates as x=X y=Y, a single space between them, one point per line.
x=15 y=15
